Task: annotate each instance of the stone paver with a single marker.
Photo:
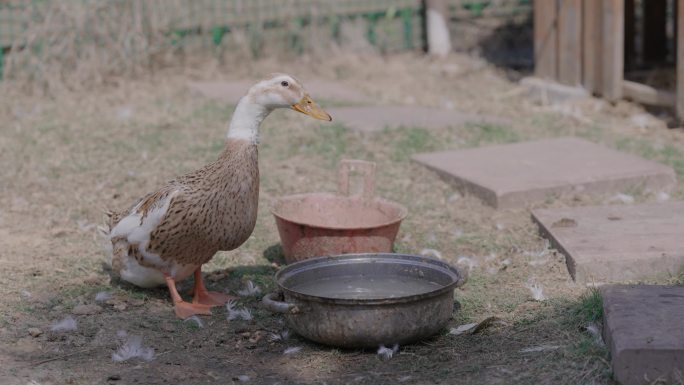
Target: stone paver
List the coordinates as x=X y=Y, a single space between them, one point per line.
x=642 y=326
x=232 y=91
x=520 y=174
x=617 y=243
x=377 y=118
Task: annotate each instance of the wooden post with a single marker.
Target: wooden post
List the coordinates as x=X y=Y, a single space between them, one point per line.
x=570 y=42
x=655 y=30
x=545 y=39
x=591 y=45
x=437 y=24
x=613 y=28
x=679 y=108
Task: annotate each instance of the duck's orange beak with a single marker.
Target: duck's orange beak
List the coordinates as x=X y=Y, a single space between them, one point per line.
x=309 y=107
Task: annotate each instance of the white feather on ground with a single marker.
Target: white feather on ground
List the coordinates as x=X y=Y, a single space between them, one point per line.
x=281 y=336
x=235 y=313
x=621 y=198
x=386 y=353
x=68 y=324
x=196 y=320
x=662 y=196
x=595 y=331
x=249 y=290
x=431 y=253
x=462 y=329
x=292 y=350
x=537 y=291
x=133 y=348
x=466 y=262
x=103 y=296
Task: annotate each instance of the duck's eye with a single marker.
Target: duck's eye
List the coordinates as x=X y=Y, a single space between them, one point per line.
x=284 y=83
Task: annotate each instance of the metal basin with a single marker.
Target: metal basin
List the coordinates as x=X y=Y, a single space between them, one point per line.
x=364 y=300
x=325 y=224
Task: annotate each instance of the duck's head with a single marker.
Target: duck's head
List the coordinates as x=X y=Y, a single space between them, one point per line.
x=284 y=91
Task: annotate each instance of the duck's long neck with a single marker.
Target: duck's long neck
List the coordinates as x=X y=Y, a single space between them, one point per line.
x=246 y=120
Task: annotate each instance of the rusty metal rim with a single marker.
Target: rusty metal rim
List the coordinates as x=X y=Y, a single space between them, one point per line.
x=457 y=276
x=403 y=212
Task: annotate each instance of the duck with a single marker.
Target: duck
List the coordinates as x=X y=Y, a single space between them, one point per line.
x=168 y=235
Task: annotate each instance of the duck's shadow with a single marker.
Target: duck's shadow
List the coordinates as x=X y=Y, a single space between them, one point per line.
x=229 y=279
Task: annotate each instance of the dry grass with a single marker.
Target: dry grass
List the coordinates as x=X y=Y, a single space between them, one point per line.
x=65 y=159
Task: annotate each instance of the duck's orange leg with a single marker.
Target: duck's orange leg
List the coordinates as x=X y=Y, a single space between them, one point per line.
x=204 y=297
x=184 y=309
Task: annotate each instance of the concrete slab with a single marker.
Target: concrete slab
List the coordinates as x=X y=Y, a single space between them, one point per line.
x=376 y=118
x=642 y=326
x=617 y=244
x=232 y=91
x=520 y=174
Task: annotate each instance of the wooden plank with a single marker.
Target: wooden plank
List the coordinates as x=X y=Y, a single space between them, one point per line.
x=613 y=16
x=569 y=42
x=679 y=108
x=591 y=45
x=545 y=39
x=655 y=30
x=645 y=94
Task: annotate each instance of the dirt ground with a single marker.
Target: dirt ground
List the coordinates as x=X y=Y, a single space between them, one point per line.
x=64 y=159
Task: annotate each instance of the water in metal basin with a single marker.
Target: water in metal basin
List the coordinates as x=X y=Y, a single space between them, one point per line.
x=360 y=287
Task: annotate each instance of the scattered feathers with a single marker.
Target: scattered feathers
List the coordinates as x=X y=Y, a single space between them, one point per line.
x=536 y=289
x=662 y=196
x=133 y=348
x=462 y=329
x=466 y=262
x=281 y=336
x=249 y=290
x=431 y=253
x=387 y=353
x=595 y=331
x=103 y=296
x=68 y=324
x=234 y=313
x=621 y=198
x=292 y=350
x=537 y=292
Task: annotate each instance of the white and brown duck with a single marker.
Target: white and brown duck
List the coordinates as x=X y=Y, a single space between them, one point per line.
x=169 y=234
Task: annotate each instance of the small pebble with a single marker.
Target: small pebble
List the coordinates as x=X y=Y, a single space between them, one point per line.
x=34 y=332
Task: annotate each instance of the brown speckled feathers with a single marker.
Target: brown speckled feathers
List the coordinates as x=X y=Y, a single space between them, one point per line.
x=211 y=209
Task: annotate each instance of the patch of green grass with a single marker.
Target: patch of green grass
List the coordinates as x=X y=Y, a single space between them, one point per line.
x=409 y=141
x=481 y=133
x=212 y=111
x=330 y=143
x=588 y=307
x=667 y=154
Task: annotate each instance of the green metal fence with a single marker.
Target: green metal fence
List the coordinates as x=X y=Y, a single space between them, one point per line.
x=149 y=27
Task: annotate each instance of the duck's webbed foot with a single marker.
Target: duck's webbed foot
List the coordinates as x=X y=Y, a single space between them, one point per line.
x=207 y=298
x=184 y=309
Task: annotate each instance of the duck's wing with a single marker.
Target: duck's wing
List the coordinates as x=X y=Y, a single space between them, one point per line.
x=142 y=219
